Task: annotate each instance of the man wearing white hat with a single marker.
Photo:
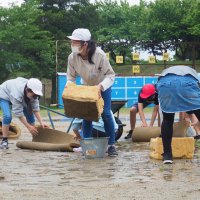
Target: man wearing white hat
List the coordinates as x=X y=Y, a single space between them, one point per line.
x=23 y=95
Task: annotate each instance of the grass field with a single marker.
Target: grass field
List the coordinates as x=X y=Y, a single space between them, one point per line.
x=124 y=111
x=147 y=69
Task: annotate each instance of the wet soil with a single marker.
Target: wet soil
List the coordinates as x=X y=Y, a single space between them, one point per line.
x=132 y=175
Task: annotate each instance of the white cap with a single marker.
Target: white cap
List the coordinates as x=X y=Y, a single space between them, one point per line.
x=82 y=34
x=35 y=85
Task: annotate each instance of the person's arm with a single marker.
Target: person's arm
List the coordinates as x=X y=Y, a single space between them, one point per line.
x=141 y=113
x=17 y=109
x=71 y=73
x=36 y=110
x=30 y=127
x=108 y=72
x=154 y=114
x=76 y=127
x=38 y=116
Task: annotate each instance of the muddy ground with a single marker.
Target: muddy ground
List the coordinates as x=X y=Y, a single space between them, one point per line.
x=28 y=174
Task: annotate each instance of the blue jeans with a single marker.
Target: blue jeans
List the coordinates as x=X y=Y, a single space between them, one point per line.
x=7 y=115
x=107 y=119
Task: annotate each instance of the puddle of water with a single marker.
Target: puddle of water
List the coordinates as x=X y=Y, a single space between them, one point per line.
x=72 y=169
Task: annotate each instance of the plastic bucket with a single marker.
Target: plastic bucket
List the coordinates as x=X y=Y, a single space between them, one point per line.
x=94 y=147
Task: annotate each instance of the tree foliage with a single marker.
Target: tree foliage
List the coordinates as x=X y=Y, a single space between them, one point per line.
x=120 y=27
x=61 y=17
x=169 y=25
x=29 y=33
x=24 y=46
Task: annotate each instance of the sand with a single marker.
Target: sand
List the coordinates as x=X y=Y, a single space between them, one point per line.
x=132 y=175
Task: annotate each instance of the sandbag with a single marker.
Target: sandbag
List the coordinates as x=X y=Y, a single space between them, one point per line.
x=50 y=140
x=14 y=131
x=144 y=134
x=82 y=102
x=182 y=147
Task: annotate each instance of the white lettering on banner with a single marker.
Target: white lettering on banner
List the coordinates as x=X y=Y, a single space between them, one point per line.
x=135 y=82
x=116 y=92
x=135 y=92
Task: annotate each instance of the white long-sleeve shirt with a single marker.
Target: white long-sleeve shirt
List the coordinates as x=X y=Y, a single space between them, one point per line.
x=13 y=91
x=100 y=72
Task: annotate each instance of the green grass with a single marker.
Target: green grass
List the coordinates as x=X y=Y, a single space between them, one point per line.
x=150 y=69
x=197 y=144
x=124 y=111
x=127 y=110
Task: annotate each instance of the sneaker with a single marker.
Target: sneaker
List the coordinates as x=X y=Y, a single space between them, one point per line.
x=167 y=158
x=4 y=145
x=77 y=150
x=129 y=135
x=112 y=151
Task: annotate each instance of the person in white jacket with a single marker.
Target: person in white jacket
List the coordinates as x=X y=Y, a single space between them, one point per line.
x=23 y=96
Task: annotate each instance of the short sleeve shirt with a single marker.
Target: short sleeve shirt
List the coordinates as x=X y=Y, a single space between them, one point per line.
x=145 y=101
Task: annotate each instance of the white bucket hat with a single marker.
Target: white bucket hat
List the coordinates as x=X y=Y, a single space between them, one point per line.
x=35 y=85
x=82 y=34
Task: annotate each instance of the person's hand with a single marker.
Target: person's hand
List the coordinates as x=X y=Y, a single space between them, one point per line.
x=100 y=88
x=144 y=124
x=44 y=125
x=33 y=130
x=77 y=136
x=196 y=123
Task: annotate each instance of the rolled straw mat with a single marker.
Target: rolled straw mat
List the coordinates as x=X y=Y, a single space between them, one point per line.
x=144 y=134
x=50 y=140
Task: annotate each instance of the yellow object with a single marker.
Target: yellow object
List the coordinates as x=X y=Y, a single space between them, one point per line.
x=119 y=59
x=181 y=147
x=166 y=56
x=152 y=59
x=136 y=68
x=136 y=56
x=82 y=102
x=108 y=55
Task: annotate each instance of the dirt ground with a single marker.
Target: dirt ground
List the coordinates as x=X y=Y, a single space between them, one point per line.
x=34 y=175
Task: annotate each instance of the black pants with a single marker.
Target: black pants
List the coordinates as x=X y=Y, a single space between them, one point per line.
x=167 y=129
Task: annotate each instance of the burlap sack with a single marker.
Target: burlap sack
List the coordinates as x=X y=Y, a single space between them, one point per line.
x=50 y=140
x=182 y=147
x=144 y=134
x=82 y=102
x=14 y=131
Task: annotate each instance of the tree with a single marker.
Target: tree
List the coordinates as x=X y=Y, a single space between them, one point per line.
x=167 y=26
x=120 y=27
x=24 y=46
x=61 y=17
